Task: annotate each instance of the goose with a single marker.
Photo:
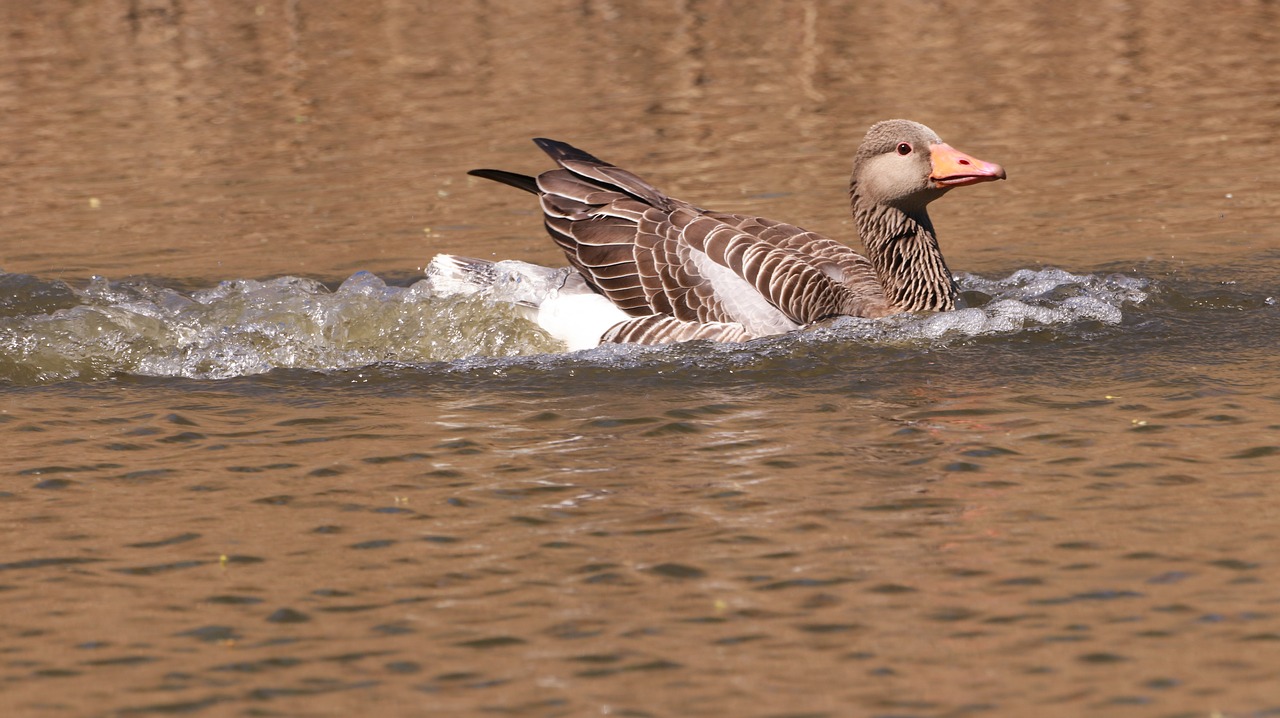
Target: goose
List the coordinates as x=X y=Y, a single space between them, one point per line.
x=651 y=269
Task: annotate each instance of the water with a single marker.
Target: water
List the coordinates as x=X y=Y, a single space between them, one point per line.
x=255 y=466
x=894 y=502
x=247 y=327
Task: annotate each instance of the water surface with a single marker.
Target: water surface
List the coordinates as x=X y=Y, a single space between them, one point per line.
x=253 y=465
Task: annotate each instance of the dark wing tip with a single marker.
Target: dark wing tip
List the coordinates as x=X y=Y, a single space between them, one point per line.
x=549 y=145
x=564 y=152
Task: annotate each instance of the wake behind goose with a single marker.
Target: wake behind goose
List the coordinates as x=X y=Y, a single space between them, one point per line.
x=52 y=331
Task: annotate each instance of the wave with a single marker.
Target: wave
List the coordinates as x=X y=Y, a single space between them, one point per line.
x=51 y=331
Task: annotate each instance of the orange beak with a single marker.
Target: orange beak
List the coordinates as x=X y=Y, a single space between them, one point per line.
x=953 y=168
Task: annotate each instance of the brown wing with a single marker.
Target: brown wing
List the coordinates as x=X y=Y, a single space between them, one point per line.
x=652 y=254
x=835 y=259
x=663 y=329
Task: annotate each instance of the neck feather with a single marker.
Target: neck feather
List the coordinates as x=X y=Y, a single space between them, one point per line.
x=903 y=249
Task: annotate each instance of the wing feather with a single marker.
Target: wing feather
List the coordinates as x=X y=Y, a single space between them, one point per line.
x=676 y=268
x=662 y=329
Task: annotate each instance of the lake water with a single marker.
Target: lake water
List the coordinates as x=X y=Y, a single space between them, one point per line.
x=253 y=466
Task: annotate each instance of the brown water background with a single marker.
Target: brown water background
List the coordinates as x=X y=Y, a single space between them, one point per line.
x=1074 y=518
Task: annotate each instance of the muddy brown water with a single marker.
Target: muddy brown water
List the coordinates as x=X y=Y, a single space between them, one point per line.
x=229 y=492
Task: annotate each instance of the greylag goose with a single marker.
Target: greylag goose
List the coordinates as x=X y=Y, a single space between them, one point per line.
x=652 y=269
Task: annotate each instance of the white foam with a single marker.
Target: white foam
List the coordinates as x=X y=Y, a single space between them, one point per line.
x=1023 y=300
x=243 y=327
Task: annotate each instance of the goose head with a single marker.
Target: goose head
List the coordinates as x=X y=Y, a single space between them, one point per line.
x=904 y=164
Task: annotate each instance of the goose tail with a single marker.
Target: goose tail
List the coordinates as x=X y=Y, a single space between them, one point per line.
x=514 y=179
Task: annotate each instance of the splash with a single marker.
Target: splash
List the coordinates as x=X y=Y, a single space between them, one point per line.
x=1028 y=299
x=243 y=327
x=51 y=331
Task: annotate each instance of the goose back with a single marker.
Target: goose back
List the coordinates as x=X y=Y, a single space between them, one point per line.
x=653 y=254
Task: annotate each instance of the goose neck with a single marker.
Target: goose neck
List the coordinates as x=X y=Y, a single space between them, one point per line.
x=903 y=249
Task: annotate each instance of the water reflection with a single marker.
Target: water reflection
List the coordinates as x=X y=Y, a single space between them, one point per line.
x=297 y=139
x=508 y=552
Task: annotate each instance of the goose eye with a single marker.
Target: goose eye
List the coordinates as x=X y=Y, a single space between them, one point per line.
x=904 y=148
